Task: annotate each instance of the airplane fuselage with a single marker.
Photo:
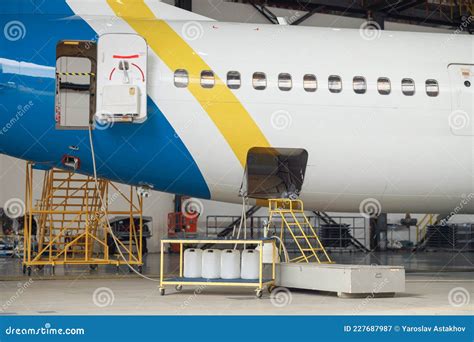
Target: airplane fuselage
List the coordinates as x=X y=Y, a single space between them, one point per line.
x=408 y=151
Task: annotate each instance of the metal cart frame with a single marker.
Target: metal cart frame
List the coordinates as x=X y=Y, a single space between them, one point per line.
x=259 y=283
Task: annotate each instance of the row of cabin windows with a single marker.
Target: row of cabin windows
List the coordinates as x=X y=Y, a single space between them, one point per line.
x=310 y=82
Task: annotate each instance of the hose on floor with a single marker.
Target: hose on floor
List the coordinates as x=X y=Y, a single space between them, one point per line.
x=103 y=206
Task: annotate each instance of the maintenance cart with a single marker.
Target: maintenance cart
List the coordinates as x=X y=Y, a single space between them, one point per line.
x=180 y=281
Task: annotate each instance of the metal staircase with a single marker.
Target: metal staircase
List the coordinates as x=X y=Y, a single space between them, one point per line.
x=294 y=220
x=422 y=228
x=72 y=221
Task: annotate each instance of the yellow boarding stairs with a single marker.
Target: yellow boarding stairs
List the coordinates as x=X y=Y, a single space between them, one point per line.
x=294 y=220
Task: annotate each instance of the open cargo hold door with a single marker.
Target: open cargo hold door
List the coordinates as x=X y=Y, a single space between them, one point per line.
x=75 y=84
x=274 y=172
x=121 y=78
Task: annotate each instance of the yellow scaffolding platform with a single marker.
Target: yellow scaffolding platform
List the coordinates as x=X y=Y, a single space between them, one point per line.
x=294 y=220
x=72 y=226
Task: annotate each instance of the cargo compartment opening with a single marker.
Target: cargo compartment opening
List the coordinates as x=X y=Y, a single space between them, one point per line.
x=274 y=172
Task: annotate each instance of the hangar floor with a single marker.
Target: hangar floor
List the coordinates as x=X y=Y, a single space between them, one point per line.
x=425 y=294
x=71 y=291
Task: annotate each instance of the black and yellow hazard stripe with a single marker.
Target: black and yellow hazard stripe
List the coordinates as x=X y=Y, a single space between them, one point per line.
x=75 y=74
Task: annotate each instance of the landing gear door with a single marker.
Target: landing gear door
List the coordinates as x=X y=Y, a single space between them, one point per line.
x=121 y=78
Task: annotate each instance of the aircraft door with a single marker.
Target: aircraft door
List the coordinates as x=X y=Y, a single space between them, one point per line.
x=461 y=119
x=121 y=78
x=75 y=84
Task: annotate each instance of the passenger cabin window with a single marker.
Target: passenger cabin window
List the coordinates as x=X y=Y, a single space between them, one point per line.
x=359 y=84
x=233 y=80
x=408 y=87
x=259 y=81
x=285 y=82
x=76 y=69
x=384 y=86
x=335 y=84
x=207 y=79
x=432 y=88
x=181 y=78
x=310 y=83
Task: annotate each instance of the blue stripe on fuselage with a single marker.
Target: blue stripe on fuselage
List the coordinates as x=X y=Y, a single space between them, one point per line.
x=148 y=153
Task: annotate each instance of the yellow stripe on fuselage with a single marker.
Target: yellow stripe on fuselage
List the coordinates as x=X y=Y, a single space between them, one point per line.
x=231 y=118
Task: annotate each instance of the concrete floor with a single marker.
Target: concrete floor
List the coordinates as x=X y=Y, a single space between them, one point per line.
x=437 y=283
x=426 y=294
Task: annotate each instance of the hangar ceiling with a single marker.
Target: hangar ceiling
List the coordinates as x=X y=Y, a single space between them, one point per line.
x=454 y=14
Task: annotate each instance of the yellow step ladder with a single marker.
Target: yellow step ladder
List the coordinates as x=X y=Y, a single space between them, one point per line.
x=294 y=220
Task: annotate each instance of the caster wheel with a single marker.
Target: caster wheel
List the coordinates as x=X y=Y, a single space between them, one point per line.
x=259 y=293
x=28 y=270
x=53 y=270
x=93 y=267
x=140 y=269
x=179 y=287
x=162 y=291
x=130 y=270
x=270 y=288
x=24 y=269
